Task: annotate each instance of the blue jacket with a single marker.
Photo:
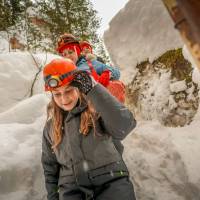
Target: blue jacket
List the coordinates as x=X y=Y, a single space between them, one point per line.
x=99 y=67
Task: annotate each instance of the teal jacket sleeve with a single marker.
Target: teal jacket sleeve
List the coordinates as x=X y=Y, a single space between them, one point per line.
x=100 y=67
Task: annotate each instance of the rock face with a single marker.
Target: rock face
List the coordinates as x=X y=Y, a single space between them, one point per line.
x=164 y=90
x=140 y=41
x=143 y=29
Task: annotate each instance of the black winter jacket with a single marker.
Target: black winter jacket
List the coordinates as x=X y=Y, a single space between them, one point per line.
x=77 y=154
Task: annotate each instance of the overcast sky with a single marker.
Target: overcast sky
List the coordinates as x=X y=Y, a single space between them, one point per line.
x=107 y=10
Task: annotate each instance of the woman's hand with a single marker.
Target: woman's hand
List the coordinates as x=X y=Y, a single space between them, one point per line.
x=83 y=81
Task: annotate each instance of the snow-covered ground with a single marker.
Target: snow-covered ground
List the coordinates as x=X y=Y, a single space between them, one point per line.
x=163 y=161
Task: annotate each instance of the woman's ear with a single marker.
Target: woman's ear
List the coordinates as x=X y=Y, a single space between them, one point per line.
x=77 y=90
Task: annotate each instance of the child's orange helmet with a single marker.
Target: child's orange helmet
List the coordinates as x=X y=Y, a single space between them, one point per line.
x=58 y=72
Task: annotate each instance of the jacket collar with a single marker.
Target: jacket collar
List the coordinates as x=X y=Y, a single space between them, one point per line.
x=81 y=60
x=75 y=111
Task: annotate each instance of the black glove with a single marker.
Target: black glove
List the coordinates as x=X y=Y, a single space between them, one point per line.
x=82 y=81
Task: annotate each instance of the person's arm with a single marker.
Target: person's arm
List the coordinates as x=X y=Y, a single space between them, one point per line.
x=100 y=67
x=51 y=168
x=117 y=119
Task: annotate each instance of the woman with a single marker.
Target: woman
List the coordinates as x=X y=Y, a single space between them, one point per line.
x=79 y=158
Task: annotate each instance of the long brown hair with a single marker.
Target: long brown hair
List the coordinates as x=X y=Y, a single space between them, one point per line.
x=88 y=119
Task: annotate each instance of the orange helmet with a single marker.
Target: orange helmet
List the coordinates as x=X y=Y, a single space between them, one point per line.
x=58 y=72
x=85 y=44
x=64 y=40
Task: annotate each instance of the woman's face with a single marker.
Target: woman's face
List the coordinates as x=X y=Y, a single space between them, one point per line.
x=66 y=97
x=71 y=54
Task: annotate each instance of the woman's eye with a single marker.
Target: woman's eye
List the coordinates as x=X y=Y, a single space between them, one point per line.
x=56 y=94
x=67 y=91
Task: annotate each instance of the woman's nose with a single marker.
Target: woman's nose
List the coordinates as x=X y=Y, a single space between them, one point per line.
x=64 y=98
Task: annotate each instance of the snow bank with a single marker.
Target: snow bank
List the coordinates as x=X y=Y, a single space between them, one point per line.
x=4 y=45
x=17 y=74
x=26 y=111
x=22 y=119
x=20 y=167
x=142 y=30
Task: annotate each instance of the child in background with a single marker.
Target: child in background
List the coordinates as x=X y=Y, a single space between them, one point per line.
x=86 y=50
x=69 y=47
x=115 y=87
x=81 y=53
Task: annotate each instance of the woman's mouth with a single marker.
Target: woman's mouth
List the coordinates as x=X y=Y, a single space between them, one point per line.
x=66 y=104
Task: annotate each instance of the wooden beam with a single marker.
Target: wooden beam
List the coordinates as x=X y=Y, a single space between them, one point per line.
x=186 y=16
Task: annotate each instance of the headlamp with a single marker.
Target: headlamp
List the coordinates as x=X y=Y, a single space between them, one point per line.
x=53 y=81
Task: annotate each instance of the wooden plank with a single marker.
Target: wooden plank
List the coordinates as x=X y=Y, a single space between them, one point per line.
x=186 y=16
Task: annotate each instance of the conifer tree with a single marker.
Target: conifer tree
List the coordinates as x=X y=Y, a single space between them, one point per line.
x=101 y=51
x=5 y=15
x=72 y=16
x=77 y=17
